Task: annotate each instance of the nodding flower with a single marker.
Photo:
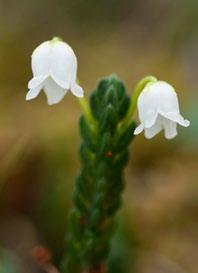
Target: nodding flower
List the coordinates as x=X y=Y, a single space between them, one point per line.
x=54 y=67
x=158 y=109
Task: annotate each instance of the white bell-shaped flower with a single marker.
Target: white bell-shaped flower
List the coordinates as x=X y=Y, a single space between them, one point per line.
x=54 y=67
x=158 y=109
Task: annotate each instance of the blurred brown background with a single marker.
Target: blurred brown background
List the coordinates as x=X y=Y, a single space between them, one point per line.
x=38 y=143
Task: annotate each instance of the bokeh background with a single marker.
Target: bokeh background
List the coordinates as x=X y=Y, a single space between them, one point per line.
x=38 y=144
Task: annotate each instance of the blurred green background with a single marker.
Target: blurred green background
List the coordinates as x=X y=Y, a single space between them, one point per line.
x=39 y=144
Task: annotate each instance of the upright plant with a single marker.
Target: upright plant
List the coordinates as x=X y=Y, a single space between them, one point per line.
x=107 y=127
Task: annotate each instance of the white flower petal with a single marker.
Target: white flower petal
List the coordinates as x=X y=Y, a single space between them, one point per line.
x=77 y=90
x=158 y=108
x=63 y=63
x=33 y=93
x=150 y=119
x=183 y=122
x=170 y=128
x=139 y=129
x=41 y=59
x=53 y=92
x=165 y=96
x=176 y=117
x=64 y=84
x=155 y=129
x=147 y=107
x=36 y=81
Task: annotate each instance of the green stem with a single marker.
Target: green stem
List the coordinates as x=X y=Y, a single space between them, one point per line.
x=133 y=103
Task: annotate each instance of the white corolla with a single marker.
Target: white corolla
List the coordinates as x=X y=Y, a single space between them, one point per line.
x=158 y=109
x=54 y=67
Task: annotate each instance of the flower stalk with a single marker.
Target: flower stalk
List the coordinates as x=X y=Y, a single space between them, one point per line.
x=87 y=112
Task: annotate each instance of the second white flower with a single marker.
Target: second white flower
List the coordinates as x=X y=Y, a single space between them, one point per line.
x=158 y=109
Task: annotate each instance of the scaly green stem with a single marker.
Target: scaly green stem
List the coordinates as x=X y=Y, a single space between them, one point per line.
x=99 y=185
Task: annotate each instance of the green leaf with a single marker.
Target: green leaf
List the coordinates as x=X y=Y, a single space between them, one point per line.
x=86 y=133
x=123 y=107
x=105 y=143
x=126 y=137
x=95 y=217
x=109 y=120
x=111 y=96
x=95 y=105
